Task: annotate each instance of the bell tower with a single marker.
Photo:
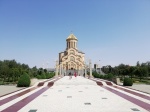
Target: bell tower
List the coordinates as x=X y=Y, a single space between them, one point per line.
x=71 y=42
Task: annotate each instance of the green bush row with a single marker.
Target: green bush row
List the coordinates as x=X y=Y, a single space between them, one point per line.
x=46 y=76
x=107 y=76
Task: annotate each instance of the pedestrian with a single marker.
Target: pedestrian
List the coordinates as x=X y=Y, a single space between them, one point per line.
x=70 y=76
x=84 y=75
x=75 y=74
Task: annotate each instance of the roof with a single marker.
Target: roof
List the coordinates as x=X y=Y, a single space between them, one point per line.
x=81 y=52
x=72 y=37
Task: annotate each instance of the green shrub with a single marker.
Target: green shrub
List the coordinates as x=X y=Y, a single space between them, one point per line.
x=104 y=76
x=38 y=76
x=110 y=76
x=47 y=75
x=50 y=75
x=101 y=76
x=24 y=81
x=1 y=83
x=133 y=80
x=95 y=75
x=127 y=82
x=43 y=76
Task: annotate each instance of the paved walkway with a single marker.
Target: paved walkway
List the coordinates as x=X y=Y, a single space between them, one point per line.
x=76 y=95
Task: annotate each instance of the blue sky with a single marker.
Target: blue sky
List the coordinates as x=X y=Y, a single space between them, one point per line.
x=112 y=31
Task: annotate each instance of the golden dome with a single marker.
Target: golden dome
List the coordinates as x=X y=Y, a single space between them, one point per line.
x=71 y=37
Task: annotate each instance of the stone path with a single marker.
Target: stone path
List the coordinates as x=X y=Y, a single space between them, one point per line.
x=76 y=95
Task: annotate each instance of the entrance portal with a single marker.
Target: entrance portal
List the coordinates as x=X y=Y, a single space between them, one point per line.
x=72 y=71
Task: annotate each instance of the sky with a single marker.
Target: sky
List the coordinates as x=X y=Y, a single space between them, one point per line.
x=109 y=32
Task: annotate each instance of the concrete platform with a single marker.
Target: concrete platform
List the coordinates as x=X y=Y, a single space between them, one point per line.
x=78 y=95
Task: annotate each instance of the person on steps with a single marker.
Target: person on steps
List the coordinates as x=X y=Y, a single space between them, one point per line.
x=75 y=74
x=70 y=76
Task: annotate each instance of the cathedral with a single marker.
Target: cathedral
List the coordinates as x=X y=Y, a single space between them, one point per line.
x=71 y=58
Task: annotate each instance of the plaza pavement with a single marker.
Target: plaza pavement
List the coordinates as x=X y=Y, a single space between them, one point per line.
x=78 y=94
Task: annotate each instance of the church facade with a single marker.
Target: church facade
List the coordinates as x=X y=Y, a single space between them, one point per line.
x=71 y=58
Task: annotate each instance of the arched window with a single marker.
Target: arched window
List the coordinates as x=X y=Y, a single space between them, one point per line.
x=72 y=58
x=72 y=52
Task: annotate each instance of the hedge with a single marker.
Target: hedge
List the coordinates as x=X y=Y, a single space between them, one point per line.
x=24 y=81
x=127 y=82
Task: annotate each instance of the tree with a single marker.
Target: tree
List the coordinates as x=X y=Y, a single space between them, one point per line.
x=138 y=64
x=34 y=71
x=122 y=66
x=140 y=72
x=107 y=69
x=4 y=72
x=16 y=74
x=12 y=64
x=116 y=71
x=144 y=71
x=45 y=70
x=131 y=71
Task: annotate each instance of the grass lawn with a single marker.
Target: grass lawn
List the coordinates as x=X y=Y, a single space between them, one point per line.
x=136 y=80
x=1 y=82
x=142 y=81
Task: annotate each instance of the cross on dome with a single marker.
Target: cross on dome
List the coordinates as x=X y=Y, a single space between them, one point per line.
x=71 y=37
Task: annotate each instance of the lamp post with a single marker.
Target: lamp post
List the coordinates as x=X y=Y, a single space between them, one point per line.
x=99 y=67
x=90 y=68
x=100 y=71
x=64 y=69
x=56 y=73
x=60 y=69
x=85 y=69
